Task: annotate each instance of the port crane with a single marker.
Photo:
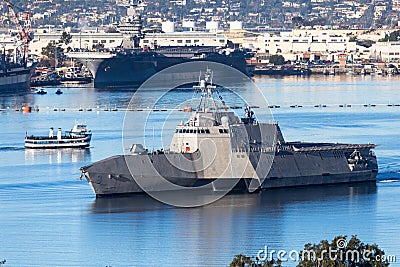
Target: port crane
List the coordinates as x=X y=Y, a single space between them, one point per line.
x=23 y=31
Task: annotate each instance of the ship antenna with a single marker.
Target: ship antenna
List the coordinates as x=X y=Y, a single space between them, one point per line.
x=153 y=139
x=199 y=77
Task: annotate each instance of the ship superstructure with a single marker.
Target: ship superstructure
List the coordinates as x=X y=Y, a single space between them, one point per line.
x=217 y=147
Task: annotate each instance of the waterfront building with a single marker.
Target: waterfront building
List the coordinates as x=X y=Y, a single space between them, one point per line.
x=81 y=40
x=313 y=46
x=386 y=51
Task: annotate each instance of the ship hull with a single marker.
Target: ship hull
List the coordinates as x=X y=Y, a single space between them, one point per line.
x=16 y=80
x=130 y=71
x=112 y=176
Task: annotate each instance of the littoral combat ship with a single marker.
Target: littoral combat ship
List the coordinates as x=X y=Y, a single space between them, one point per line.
x=216 y=147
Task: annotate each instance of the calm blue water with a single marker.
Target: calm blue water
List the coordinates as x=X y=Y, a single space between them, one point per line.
x=49 y=217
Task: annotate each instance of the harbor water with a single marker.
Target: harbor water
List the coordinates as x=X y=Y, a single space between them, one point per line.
x=50 y=217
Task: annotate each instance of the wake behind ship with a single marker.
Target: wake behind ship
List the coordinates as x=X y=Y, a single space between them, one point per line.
x=216 y=148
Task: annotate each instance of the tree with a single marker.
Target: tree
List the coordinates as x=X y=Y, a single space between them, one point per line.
x=365 y=43
x=392 y=37
x=98 y=46
x=276 y=59
x=242 y=260
x=342 y=252
x=51 y=50
x=65 y=38
x=297 y=21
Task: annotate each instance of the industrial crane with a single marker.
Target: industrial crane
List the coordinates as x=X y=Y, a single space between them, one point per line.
x=24 y=32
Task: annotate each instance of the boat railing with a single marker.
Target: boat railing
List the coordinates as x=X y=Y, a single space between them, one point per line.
x=78 y=136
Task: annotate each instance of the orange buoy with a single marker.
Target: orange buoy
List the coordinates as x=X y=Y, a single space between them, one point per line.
x=26 y=109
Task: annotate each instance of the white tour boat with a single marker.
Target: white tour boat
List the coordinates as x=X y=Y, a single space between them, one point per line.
x=78 y=137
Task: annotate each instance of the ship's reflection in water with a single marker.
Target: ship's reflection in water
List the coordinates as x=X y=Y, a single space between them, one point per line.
x=61 y=155
x=237 y=223
x=273 y=199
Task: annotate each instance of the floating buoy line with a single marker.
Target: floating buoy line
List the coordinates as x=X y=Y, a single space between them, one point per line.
x=29 y=109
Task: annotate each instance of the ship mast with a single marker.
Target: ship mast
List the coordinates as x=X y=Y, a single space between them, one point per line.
x=206 y=92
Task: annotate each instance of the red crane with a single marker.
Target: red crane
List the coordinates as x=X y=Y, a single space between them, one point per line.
x=24 y=32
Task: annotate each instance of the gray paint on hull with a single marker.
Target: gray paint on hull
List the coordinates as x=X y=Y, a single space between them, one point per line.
x=112 y=176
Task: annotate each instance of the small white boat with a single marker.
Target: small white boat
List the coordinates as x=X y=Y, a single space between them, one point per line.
x=78 y=137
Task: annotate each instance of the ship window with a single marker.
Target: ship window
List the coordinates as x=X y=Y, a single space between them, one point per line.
x=191 y=131
x=221 y=131
x=225 y=131
x=176 y=131
x=179 y=41
x=188 y=41
x=180 y=131
x=103 y=41
x=196 y=41
x=207 y=131
x=111 y=41
x=202 y=131
x=95 y=41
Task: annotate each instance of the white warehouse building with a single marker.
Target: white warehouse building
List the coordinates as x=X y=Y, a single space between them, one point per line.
x=79 y=40
x=295 y=47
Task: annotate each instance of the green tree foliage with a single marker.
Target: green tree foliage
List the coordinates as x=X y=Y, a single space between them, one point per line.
x=53 y=52
x=366 y=43
x=276 y=59
x=98 y=46
x=51 y=49
x=297 y=21
x=241 y=260
x=65 y=38
x=392 y=37
x=340 y=252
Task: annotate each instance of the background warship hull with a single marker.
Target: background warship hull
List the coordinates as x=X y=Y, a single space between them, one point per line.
x=320 y=164
x=15 y=79
x=131 y=70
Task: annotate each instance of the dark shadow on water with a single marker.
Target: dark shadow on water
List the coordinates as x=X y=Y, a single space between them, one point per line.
x=270 y=199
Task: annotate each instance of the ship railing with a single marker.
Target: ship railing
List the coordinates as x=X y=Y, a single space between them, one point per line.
x=335 y=147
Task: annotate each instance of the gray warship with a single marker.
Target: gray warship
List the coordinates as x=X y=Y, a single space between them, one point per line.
x=218 y=149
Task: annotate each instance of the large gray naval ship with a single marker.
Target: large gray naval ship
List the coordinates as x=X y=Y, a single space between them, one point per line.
x=218 y=149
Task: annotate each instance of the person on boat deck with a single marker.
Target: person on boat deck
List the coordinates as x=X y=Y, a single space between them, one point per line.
x=59 y=134
x=51 y=133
